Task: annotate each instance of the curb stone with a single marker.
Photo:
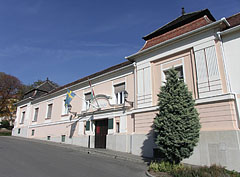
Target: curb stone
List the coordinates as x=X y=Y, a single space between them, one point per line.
x=148 y=174
x=86 y=150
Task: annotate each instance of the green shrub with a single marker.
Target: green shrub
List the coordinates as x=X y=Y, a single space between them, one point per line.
x=5 y=124
x=5 y=133
x=212 y=171
x=164 y=167
x=184 y=171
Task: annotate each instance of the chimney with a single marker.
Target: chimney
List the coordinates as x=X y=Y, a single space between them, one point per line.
x=183 y=11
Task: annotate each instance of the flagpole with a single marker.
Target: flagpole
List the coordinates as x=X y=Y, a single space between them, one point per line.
x=93 y=92
x=89 y=102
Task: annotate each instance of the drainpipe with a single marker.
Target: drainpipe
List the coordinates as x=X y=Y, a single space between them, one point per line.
x=135 y=105
x=224 y=63
x=237 y=109
x=135 y=82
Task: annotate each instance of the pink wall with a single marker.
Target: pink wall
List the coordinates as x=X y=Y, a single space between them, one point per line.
x=105 y=88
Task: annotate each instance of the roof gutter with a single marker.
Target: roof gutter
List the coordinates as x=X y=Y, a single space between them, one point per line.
x=233 y=29
x=24 y=101
x=132 y=57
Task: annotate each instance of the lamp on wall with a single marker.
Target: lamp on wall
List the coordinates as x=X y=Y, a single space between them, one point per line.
x=125 y=94
x=125 y=98
x=69 y=107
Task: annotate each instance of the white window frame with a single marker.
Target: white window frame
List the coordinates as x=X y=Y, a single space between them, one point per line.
x=119 y=96
x=117 y=127
x=87 y=102
x=65 y=110
x=23 y=115
x=34 y=115
x=174 y=66
x=48 y=111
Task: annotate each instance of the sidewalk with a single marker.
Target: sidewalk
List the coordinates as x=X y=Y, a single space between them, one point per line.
x=93 y=151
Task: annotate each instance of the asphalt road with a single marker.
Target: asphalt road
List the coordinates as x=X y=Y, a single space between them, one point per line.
x=21 y=158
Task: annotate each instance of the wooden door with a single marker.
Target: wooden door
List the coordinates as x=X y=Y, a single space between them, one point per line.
x=101 y=130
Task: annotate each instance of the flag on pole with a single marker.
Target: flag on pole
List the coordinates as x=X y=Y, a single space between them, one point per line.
x=69 y=97
x=92 y=91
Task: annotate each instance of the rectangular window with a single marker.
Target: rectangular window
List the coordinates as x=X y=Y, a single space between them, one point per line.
x=117 y=127
x=179 y=69
x=63 y=138
x=87 y=125
x=48 y=138
x=33 y=131
x=35 y=114
x=119 y=93
x=64 y=109
x=19 y=130
x=49 y=111
x=88 y=100
x=22 y=117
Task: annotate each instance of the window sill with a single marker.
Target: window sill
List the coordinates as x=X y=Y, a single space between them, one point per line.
x=47 y=118
x=64 y=115
x=34 y=123
x=119 y=104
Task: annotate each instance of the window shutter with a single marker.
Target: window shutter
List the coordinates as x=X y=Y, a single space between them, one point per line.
x=140 y=84
x=110 y=123
x=212 y=63
x=119 y=88
x=208 y=77
x=201 y=66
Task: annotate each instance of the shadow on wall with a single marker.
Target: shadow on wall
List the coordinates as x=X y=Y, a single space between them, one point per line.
x=148 y=144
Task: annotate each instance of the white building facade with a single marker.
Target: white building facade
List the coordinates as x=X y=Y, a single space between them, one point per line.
x=206 y=54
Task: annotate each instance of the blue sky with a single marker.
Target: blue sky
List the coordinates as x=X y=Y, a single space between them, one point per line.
x=69 y=39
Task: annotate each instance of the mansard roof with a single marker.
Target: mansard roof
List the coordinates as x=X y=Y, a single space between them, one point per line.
x=180 y=21
x=40 y=90
x=183 y=24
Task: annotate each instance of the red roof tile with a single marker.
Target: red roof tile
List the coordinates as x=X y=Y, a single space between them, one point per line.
x=234 y=20
x=177 y=32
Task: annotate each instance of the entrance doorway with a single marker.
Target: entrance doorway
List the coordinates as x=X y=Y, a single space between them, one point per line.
x=101 y=130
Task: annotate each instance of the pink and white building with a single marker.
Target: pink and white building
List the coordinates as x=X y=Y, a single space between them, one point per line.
x=206 y=53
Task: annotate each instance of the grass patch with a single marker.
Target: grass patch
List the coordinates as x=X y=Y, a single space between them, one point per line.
x=5 y=133
x=179 y=170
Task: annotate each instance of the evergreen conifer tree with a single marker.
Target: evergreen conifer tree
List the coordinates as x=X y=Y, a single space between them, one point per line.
x=177 y=124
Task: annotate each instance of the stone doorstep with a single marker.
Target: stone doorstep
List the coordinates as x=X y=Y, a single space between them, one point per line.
x=93 y=151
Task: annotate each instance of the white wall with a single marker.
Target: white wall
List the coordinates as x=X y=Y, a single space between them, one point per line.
x=231 y=45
